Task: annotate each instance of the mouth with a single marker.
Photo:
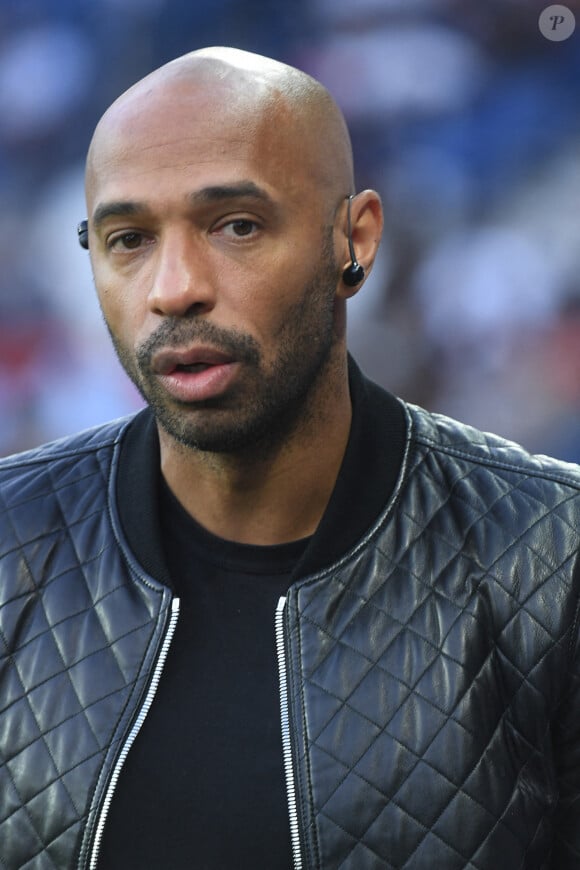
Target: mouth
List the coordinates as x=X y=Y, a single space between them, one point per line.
x=193 y=367
x=194 y=360
x=195 y=374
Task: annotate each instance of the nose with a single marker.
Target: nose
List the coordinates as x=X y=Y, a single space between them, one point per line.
x=181 y=282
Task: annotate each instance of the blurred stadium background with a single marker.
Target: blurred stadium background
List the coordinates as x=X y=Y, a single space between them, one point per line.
x=464 y=117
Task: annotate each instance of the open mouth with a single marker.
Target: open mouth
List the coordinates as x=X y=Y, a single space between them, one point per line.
x=195 y=380
x=193 y=367
x=193 y=360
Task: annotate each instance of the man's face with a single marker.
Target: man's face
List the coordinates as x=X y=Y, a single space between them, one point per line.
x=213 y=259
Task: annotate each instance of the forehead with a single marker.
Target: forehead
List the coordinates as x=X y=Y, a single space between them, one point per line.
x=184 y=138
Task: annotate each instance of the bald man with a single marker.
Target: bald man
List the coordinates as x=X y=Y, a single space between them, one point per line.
x=280 y=618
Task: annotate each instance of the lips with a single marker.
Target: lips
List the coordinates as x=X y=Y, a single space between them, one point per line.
x=191 y=360
x=196 y=374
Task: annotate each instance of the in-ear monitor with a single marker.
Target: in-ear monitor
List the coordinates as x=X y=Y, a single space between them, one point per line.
x=354 y=273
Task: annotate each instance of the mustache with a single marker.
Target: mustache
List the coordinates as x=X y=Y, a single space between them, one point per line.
x=177 y=333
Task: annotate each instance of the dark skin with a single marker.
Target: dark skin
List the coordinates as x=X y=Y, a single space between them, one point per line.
x=216 y=192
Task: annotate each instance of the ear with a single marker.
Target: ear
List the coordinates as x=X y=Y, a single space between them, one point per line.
x=366 y=222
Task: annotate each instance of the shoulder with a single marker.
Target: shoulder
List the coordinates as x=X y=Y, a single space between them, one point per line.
x=68 y=471
x=72 y=446
x=483 y=510
x=467 y=447
x=490 y=493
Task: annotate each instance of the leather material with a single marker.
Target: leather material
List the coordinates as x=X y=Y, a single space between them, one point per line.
x=434 y=675
x=80 y=627
x=433 y=668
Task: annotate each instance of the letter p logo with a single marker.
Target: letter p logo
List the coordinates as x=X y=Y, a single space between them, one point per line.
x=557 y=23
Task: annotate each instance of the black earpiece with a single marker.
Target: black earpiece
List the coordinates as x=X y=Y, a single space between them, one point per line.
x=354 y=273
x=83 y=234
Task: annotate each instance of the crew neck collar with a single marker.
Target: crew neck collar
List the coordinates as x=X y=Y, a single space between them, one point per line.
x=181 y=530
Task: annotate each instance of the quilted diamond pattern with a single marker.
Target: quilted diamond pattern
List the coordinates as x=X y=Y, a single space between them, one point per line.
x=433 y=671
x=89 y=617
x=430 y=669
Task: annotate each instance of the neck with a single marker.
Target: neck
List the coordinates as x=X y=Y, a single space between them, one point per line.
x=269 y=496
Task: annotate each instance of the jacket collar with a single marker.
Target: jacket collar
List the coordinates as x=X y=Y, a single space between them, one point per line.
x=365 y=483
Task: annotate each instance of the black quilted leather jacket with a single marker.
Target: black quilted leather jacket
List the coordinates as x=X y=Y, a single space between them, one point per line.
x=428 y=653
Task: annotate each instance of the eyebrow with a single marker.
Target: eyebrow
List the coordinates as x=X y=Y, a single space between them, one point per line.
x=212 y=193
x=121 y=208
x=218 y=192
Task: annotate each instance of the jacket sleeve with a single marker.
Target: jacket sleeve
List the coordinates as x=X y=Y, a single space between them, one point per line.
x=566 y=855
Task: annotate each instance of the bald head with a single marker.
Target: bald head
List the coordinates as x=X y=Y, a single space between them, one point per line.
x=245 y=97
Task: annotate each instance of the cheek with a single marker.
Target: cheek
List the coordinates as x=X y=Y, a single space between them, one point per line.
x=270 y=290
x=110 y=303
x=119 y=304
x=272 y=319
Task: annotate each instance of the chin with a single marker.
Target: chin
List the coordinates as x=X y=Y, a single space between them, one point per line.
x=256 y=435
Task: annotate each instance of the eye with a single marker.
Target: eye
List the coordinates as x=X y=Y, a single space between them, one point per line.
x=127 y=241
x=243 y=227
x=239 y=228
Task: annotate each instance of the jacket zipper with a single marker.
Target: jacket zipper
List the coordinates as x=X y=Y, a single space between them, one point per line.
x=142 y=715
x=286 y=740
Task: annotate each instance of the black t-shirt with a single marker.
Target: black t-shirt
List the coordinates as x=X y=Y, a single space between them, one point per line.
x=203 y=786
